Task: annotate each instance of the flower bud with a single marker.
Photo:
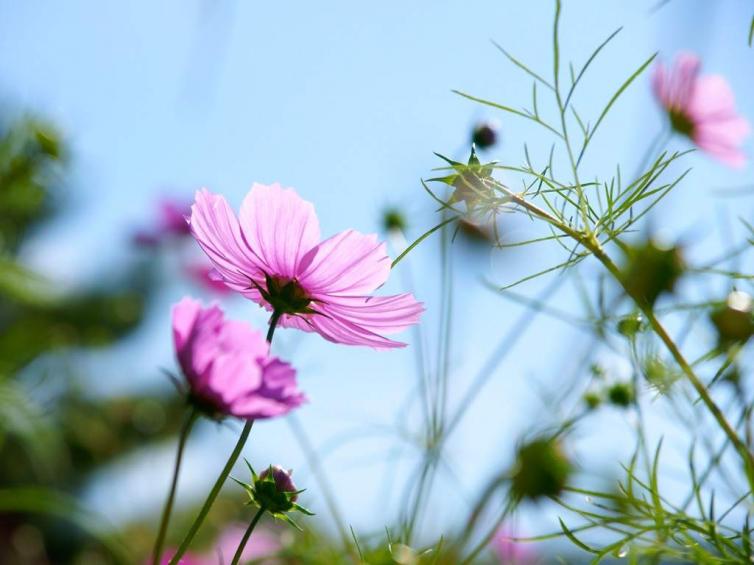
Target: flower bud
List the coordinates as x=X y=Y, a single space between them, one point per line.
x=629 y=326
x=393 y=219
x=652 y=269
x=484 y=134
x=541 y=469
x=733 y=320
x=621 y=394
x=592 y=399
x=275 y=490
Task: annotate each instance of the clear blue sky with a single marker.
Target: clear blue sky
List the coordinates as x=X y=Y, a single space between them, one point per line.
x=345 y=101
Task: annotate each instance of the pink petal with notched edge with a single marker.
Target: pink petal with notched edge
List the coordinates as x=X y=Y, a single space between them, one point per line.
x=383 y=314
x=349 y=263
x=279 y=226
x=216 y=229
x=338 y=329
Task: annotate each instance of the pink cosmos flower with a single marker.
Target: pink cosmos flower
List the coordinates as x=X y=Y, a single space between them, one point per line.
x=272 y=254
x=228 y=366
x=171 y=221
x=702 y=108
x=207 y=277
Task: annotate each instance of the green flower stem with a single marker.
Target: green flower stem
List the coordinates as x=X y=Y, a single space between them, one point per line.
x=160 y=541
x=226 y=470
x=591 y=243
x=247 y=535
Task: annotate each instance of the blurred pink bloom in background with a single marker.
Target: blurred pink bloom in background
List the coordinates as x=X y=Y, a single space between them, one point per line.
x=171 y=222
x=262 y=543
x=207 y=277
x=272 y=254
x=702 y=108
x=228 y=366
x=510 y=552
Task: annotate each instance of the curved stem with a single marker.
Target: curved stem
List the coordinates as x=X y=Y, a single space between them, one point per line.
x=213 y=493
x=226 y=470
x=274 y=319
x=246 y=536
x=160 y=541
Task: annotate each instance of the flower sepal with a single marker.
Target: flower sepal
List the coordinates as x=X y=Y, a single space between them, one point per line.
x=273 y=490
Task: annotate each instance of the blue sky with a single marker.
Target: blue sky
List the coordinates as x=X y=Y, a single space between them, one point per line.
x=345 y=102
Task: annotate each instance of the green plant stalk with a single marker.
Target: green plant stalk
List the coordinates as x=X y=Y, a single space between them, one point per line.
x=226 y=470
x=591 y=243
x=247 y=535
x=159 y=543
x=213 y=493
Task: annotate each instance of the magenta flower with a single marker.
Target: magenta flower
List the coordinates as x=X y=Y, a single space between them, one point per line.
x=228 y=366
x=511 y=552
x=272 y=254
x=702 y=108
x=262 y=546
x=207 y=277
x=171 y=221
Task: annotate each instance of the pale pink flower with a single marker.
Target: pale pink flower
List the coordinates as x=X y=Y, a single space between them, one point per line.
x=702 y=108
x=171 y=222
x=228 y=365
x=272 y=254
x=509 y=551
x=261 y=547
x=207 y=277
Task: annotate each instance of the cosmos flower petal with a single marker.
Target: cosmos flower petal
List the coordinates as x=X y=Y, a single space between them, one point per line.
x=184 y=317
x=348 y=263
x=333 y=327
x=279 y=226
x=383 y=314
x=216 y=229
x=227 y=365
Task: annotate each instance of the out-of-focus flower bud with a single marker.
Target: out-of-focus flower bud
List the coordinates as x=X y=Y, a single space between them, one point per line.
x=651 y=269
x=631 y=325
x=659 y=374
x=592 y=399
x=621 y=394
x=541 y=469
x=484 y=134
x=393 y=220
x=733 y=320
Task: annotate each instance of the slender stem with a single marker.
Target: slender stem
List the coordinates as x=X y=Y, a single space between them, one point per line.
x=226 y=470
x=213 y=493
x=274 y=319
x=160 y=541
x=246 y=536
